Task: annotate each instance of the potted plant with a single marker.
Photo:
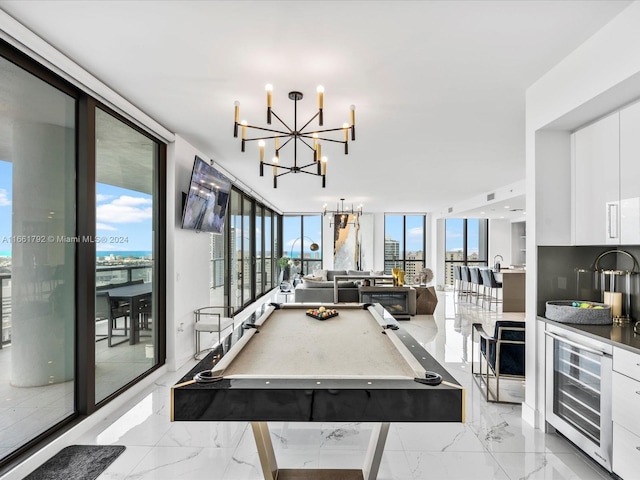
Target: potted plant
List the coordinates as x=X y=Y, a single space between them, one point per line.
x=283 y=263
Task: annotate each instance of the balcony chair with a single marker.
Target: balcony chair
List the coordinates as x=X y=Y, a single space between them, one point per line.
x=104 y=311
x=489 y=281
x=145 y=309
x=503 y=355
x=212 y=319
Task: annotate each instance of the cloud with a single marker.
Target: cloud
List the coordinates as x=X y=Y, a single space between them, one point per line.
x=4 y=198
x=104 y=226
x=101 y=197
x=415 y=232
x=125 y=209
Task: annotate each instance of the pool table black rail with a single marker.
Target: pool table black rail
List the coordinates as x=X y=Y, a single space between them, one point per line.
x=334 y=400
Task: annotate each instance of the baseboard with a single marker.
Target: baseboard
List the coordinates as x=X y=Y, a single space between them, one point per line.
x=530 y=415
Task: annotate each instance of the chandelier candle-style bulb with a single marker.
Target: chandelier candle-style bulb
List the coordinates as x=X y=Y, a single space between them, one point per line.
x=261 y=146
x=236 y=106
x=269 y=88
x=320 y=104
x=275 y=172
x=315 y=148
x=277 y=143
x=318 y=156
x=345 y=126
x=324 y=166
x=244 y=133
x=352 y=110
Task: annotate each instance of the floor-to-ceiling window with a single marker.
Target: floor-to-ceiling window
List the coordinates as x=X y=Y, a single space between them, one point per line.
x=259 y=265
x=218 y=272
x=37 y=256
x=466 y=243
x=248 y=264
x=235 y=249
x=253 y=245
x=404 y=244
x=80 y=206
x=268 y=250
x=126 y=330
x=302 y=242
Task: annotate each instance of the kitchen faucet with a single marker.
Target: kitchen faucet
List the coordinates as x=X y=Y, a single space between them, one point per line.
x=496 y=263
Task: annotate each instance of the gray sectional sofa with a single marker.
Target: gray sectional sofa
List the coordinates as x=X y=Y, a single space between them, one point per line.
x=321 y=291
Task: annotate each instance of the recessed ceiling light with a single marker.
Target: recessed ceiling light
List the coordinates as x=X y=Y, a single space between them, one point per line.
x=506 y=206
x=481 y=213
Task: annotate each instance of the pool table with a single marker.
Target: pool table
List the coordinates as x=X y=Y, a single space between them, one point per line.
x=282 y=365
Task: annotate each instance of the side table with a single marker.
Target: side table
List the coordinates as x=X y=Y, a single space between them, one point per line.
x=426 y=300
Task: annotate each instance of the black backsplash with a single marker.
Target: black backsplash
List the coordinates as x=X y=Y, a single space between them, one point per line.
x=568 y=273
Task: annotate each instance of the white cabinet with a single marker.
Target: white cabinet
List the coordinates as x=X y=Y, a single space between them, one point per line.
x=630 y=175
x=596 y=178
x=606 y=180
x=626 y=421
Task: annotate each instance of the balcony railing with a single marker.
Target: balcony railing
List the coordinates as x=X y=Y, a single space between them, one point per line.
x=104 y=275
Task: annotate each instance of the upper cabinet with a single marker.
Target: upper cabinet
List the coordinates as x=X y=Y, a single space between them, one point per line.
x=630 y=175
x=606 y=180
x=596 y=175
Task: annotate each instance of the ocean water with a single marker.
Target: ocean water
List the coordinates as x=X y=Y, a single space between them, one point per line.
x=125 y=253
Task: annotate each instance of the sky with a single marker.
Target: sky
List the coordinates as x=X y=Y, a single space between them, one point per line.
x=124 y=217
x=455 y=234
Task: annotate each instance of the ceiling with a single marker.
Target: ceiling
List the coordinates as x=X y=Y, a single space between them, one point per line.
x=439 y=86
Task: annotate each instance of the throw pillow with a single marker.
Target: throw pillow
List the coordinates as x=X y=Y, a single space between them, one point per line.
x=320 y=273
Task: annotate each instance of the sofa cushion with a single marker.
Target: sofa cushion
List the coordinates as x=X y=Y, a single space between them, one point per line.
x=333 y=273
x=315 y=284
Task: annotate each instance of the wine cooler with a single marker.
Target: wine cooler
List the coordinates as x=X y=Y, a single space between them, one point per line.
x=578 y=373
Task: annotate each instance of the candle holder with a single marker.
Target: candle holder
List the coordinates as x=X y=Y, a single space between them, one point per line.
x=616 y=286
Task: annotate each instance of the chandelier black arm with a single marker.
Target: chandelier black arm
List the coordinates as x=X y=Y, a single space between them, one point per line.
x=302 y=140
x=269 y=130
x=327 y=139
x=327 y=130
x=312 y=164
x=280 y=120
x=310 y=120
x=290 y=137
x=270 y=137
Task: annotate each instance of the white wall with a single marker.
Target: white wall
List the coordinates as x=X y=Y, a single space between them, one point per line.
x=187 y=258
x=597 y=78
x=500 y=241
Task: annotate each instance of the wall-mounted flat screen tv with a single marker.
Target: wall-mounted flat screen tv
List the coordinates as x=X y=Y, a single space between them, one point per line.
x=206 y=204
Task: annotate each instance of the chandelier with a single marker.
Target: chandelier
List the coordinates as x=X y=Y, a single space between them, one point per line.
x=341 y=214
x=303 y=136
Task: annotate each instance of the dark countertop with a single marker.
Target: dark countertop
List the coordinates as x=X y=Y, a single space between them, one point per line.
x=621 y=336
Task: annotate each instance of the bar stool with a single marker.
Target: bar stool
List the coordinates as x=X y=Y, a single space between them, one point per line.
x=476 y=280
x=465 y=281
x=457 y=280
x=490 y=282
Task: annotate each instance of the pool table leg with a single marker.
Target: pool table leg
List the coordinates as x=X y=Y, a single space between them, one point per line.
x=374 y=452
x=265 y=450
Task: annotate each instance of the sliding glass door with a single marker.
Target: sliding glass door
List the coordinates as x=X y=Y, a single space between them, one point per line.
x=126 y=320
x=37 y=256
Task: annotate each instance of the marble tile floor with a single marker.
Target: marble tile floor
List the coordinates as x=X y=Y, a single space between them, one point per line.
x=494 y=443
x=26 y=412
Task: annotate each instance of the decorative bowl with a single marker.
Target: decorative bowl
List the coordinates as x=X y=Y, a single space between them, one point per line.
x=563 y=311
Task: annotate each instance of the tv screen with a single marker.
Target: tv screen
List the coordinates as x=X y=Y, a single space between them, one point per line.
x=206 y=204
